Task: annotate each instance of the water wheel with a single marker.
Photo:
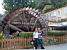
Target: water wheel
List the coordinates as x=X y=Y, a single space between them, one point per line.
x=26 y=19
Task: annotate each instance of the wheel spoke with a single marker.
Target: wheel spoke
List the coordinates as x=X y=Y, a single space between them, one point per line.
x=14 y=27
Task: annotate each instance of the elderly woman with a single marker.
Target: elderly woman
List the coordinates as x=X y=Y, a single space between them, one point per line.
x=35 y=38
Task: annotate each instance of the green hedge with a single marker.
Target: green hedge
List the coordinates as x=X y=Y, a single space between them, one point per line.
x=1 y=36
x=49 y=33
x=57 y=33
x=26 y=34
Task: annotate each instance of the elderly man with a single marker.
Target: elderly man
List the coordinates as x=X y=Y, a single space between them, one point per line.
x=40 y=38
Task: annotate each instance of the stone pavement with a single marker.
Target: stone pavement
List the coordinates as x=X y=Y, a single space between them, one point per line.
x=57 y=47
x=53 y=47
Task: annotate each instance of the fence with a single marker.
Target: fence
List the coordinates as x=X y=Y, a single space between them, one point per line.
x=16 y=43
x=25 y=43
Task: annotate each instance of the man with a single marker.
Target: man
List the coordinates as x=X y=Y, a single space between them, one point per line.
x=40 y=38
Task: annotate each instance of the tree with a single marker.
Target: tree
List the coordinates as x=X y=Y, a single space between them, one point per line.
x=11 y=5
x=55 y=4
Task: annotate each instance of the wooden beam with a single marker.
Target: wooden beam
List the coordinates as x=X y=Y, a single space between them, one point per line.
x=35 y=23
x=24 y=18
x=20 y=17
x=14 y=27
x=22 y=23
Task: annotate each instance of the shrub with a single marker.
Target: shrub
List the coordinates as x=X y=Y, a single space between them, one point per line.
x=26 y=34
x=55 y=33
x=1 y=35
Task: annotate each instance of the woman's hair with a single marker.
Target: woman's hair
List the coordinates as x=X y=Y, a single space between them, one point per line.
x=37 y=28
x=34 y=28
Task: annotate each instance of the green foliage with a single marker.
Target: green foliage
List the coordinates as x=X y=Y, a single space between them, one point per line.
x=51 y=42
x=49 y=33
x=56 y=33
x=56 y=4
x=11 y=5
x=63 y=20
x=26 y=34
x=1 y=35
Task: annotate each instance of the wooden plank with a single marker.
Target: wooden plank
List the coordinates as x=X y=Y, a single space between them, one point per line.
x=14 y=27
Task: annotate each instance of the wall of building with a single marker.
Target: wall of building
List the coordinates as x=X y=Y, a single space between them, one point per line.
x=60 y=13
x=57 y=15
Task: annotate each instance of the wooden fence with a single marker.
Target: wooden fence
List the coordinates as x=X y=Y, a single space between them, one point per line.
x=16 y=43
x=56 y=38
x=25 y=43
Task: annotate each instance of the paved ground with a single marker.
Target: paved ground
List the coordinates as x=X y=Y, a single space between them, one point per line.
x=57 y=47
x=54 y=47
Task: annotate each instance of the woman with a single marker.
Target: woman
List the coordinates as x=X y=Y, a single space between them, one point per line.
x=35 y=38
x=40 y=38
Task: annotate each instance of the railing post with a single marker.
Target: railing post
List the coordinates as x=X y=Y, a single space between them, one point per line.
x=1 y=44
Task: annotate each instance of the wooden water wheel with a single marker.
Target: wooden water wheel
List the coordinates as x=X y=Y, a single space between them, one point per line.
x=26 y=19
